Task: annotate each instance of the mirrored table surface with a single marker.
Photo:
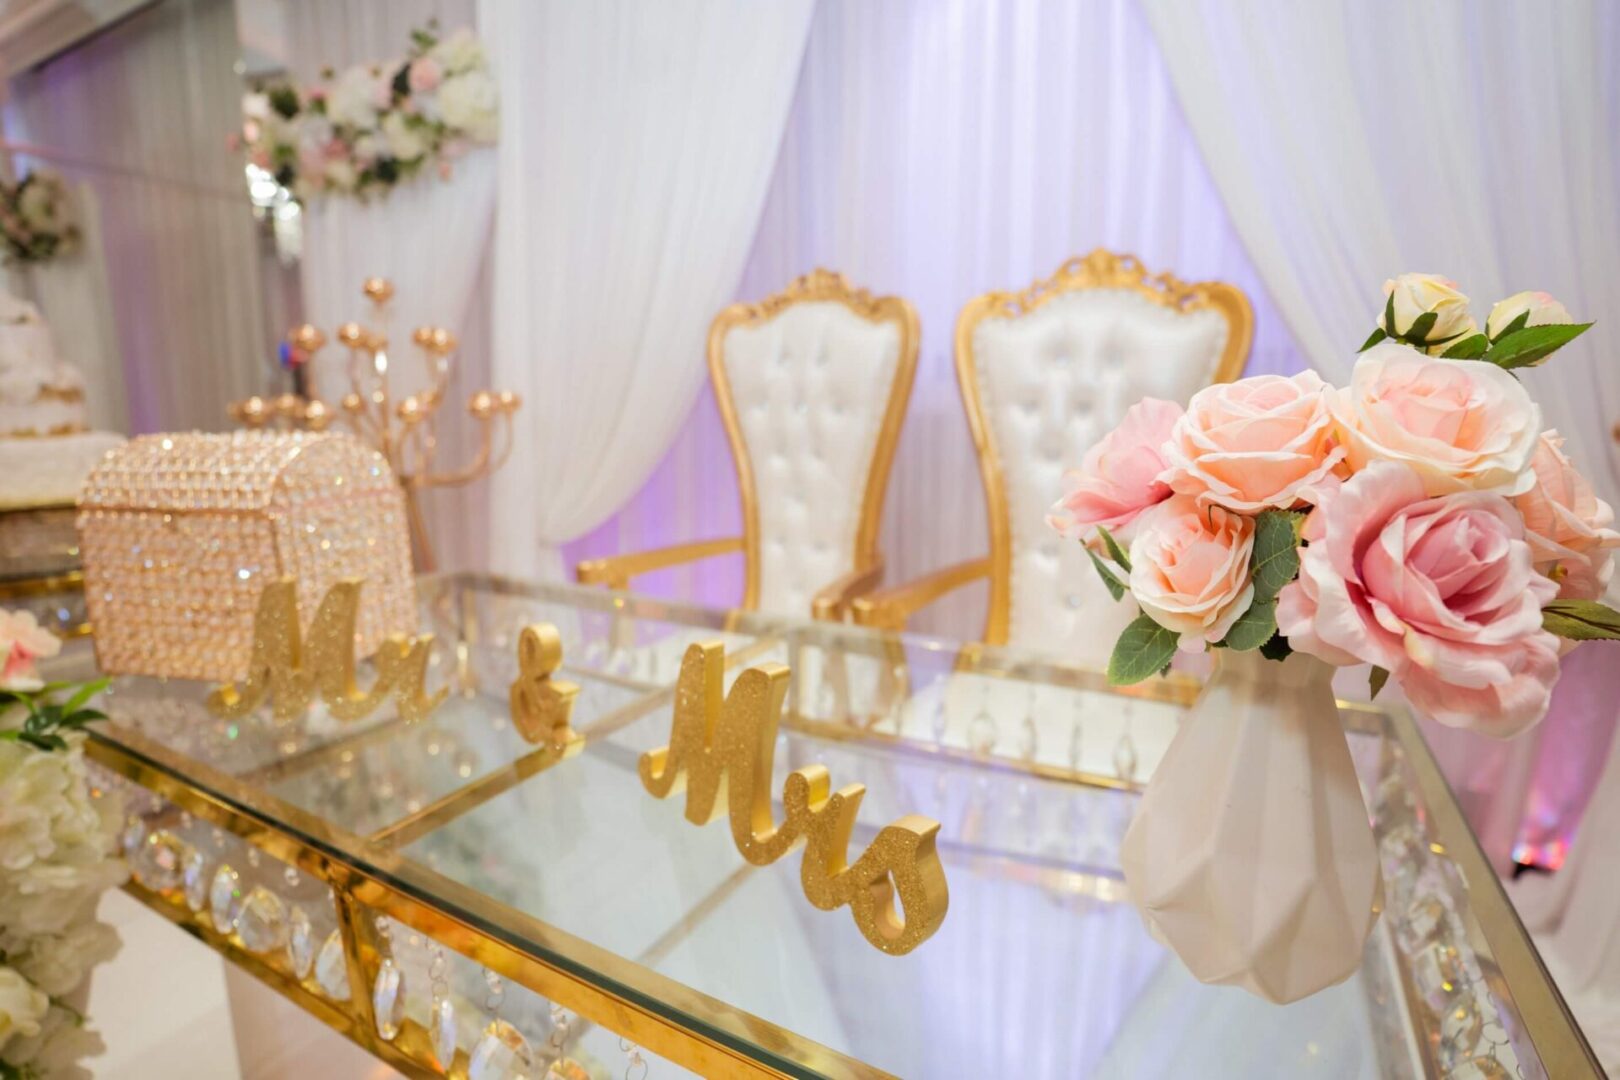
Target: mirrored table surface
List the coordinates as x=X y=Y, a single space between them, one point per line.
x=555 y=894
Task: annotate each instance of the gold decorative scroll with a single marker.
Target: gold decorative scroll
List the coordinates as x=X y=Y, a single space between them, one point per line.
x=291 y=669
x=720 y=754
x=541 y=706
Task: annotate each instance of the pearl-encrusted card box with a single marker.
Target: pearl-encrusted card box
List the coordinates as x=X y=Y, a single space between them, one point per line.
x=180 y=533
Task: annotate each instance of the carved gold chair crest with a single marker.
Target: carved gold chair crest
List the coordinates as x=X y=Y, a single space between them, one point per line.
x=812 y=385
x=1044 y=374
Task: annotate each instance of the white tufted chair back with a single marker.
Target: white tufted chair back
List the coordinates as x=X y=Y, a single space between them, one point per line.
x=1046 y=373
x=813 y=385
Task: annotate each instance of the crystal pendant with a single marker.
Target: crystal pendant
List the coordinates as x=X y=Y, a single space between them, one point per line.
x=388 y=998
x=133 y=834
x=194 y=878
x=982 y=733
x=568 y=1069
x=160 y=861
x=300 y=942
x=223 y=896
x=443 y=1024
x=261 y=921
x=332 y=968
x=1125 y=757
x=502 y=1053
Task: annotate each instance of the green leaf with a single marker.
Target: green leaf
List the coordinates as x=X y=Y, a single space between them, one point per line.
x=1276 y=552
x=1581 y=620
x=1471 y=347
x=1277 y=648
x=1389 y=315
x=85 y=693
x=1418 y=333
x=1533 y=344
x=1519 y=323
x=1116 y=587
x=1254 y=627
x=1376 y=680
x=1374 y=338
x=1115 y=552
x=1143 y=649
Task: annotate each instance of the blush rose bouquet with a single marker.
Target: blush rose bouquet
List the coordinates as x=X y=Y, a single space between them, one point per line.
x=1419 y=520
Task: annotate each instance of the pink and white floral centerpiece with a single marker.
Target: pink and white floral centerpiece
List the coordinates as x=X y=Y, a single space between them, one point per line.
x=1419 y=520
x=56 y=860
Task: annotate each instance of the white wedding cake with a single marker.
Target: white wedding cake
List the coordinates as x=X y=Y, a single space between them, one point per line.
x=46 y=447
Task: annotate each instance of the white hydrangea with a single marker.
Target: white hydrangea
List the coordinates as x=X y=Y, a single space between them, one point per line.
x=55 y=1050
x=22 y=1007
x=460 y=52
x=58 y=963
x=353 y=99
x=404 y=141
x=469 y=103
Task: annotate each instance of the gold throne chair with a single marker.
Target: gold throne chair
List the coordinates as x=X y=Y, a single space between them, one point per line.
x=812 y=385
x=1044 y=374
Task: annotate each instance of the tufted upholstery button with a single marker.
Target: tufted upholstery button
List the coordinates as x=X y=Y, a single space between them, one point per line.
x=1073 y=601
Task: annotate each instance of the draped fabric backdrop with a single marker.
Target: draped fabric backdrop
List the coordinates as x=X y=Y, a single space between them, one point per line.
x=630 y=186
x=135 y=118
x=937 y=150
x=429 y=236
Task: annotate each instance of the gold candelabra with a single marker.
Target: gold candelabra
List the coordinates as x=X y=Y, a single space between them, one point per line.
x=405 y=431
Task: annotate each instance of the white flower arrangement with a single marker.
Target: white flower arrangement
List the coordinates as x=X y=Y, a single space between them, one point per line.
x=55 y=861
x=373 y=126
x=37 y=220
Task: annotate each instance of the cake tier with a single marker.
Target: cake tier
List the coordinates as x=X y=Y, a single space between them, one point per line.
x=49 y=471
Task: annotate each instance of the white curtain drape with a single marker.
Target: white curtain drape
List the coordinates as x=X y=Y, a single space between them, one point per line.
x=630 y=187
x=939 y=149
x=1355 y=140
x=135 y=119
x=429 y=236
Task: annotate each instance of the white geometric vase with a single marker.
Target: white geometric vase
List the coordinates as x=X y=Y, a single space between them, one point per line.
x=1251 y=855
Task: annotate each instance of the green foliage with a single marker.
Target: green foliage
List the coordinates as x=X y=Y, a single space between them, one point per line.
x=1581 y=620
x=1143 y=650
x=1276 y=551
x=1116 y=587
x=47 y=720
x=1531 y=345
x=1374 y=338
x=1376 y=680
x=1254 y=627
x=1471 y=347
x=1115 y=552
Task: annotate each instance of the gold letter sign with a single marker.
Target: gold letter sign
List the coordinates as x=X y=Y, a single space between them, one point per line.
x=720 y=755
x=291 y=670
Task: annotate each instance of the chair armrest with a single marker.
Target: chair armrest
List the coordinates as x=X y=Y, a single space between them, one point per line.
x=888 y=609
x=833 y=600
x=615 y=571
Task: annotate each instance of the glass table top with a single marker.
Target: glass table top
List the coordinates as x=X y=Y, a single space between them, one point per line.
x=1032 y=767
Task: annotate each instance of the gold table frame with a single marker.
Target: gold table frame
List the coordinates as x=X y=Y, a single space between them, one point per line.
x=627 y=998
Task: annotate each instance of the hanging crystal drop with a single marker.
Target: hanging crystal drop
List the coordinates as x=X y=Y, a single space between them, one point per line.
x=261 y=921
x=1125 y=757
x=443 y=1024
x=194 y=878
x=388 y=998
x=160 y=861
x=502 y=1053
x=1075 y=745
x=300 y=942
x=133 y=834
x=332 y=968
x=982 y=733
x=223 y=896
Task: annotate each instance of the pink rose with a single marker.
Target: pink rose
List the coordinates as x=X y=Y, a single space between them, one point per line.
x=1256 y=443
x=233 y=141
x=1190 y=569
x=1460 y=424
x=425 y=74
x=1439 y=591
x=22 y=641
x=1567 y=525
x=382 y=92
x=1119 y=476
